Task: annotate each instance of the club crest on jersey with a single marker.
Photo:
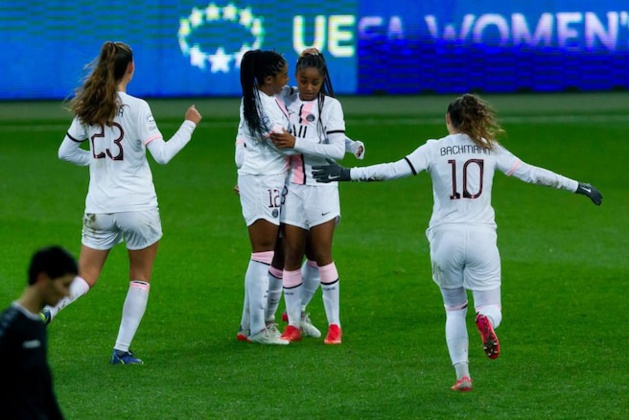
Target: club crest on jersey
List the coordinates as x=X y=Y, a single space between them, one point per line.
x=198 y=32
x=310 y=118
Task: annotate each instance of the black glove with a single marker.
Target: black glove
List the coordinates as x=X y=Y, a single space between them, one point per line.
x=590 y=191
x=331 y=172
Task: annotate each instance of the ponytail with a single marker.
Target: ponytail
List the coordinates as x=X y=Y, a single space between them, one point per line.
x=96 y=101
x=250 y=93
x=255 y=66
x=471 y=115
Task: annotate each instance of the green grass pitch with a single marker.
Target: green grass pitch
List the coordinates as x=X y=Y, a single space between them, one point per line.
x=565 y=275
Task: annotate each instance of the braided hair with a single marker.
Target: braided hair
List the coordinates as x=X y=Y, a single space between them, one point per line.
x=255 y=66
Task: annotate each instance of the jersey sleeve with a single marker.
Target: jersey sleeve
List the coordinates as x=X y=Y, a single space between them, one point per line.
x=510 y=165
x=355 y=147
x=70 y=148
x=334 y=124
x=163 y=151
x=410 y=165
x=147 y=127
x=334 y=148
x=240 y=147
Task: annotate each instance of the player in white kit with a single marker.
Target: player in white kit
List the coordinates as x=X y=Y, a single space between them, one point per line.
x=261 y=178
x=311 y=210
x=462 y=229
x=309 y=268
x=121 y=203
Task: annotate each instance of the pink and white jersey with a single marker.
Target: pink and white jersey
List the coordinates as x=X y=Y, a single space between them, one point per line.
x=260 y=156
x=462 y=177
x=315 y=138
x=120 y=176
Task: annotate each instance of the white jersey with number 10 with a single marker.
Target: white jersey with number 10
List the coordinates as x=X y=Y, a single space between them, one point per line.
x=462 y=177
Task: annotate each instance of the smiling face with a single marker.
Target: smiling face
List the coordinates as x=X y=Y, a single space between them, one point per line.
x=309 y=82
x=278 y=81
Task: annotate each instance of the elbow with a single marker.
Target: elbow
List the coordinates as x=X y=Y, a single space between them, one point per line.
x=63 y=156
x=338 y=154
x=161 y=160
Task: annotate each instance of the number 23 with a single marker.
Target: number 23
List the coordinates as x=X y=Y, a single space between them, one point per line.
x=107 y=152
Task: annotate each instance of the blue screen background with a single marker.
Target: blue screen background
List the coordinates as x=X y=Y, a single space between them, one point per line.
x=191 y=48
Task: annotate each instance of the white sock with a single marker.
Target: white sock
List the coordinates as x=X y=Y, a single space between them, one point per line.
x=457 y=338
x=256 y=286
x=330 y=290
x=244 y=319
x=311 y=279
x=78 y=288
x=462 y=370
x=274 y=293
x=493 y=313
x=132 y=313
x=292 y=296
x=487 y=302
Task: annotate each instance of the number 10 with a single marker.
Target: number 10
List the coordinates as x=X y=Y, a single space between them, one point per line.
x=466 y=167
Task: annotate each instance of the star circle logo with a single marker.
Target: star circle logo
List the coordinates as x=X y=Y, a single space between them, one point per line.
x=218 y=57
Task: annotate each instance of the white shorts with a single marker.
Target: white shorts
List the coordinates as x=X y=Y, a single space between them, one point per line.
x=139 y=229
x=261 y=197
x=464 y=256
x=306 y=206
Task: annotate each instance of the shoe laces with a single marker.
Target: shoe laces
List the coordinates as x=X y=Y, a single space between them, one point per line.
x=305 y=318
x=272 y=327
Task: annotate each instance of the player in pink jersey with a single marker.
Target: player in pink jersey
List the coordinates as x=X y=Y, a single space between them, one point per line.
x=121 y=203
x=462 y=229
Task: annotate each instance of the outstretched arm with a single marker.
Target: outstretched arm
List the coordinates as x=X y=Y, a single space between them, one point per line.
x=380 y=172
x=541 y=176
x=589 y=191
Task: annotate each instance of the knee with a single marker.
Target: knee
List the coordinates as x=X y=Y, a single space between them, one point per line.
x=293 y=259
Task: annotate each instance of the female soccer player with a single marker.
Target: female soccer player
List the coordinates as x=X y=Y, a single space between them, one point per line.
x=309 y=268
x=311 y=211
x=121 y=203
x=261 y=178
x=462 y=229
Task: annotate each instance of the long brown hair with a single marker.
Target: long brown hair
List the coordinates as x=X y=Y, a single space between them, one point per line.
x=96 y=101
x=475 y=117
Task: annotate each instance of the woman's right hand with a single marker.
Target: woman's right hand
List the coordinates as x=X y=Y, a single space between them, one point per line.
x=193 y=115
x=311 y=51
